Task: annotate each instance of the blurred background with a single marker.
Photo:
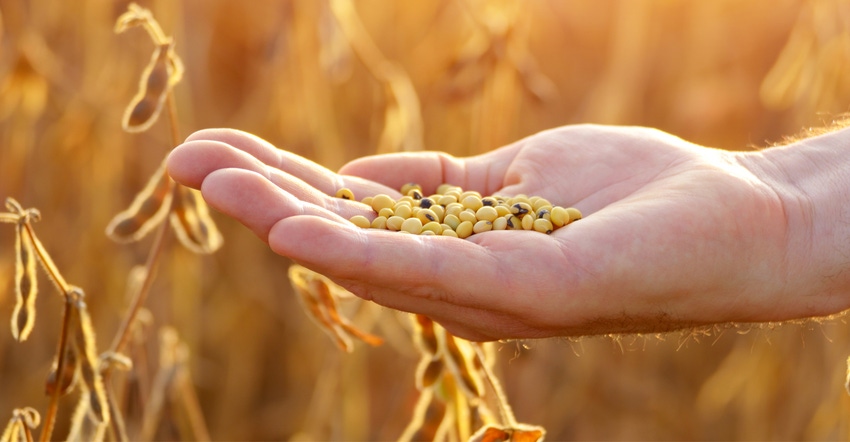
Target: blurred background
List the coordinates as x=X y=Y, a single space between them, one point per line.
x=462 y=76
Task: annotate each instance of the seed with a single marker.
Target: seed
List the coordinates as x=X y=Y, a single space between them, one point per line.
x=386 y=212
x=445 y=200
x=464 y=229
x=527 y=222
x=443 y=188
x=469 y=193
x=467 y=215
x=403 y=211
x=542 y=225
x=513 y=222
x=427 y=233
x=538 y=203
x=449 y=232
x=520 y=208
x=345 y=193
x=489 y=201
x=482 y=226
x=379 y=223
x=503 y=210
x=394 y=223
x=454 y=208
x=500 y=223
x=559 y=216
x=543 y=213
x=440 y=211
x=486 y=213
x=426 y=203
x=427 y=215
x=433 y=226
x=416 y=194
x=574 y=213
x=412 y=225
x=407 y=188
x=381 y=201
x=367 y=201
x=472 y=202
x=361 y=221
x=452 y=221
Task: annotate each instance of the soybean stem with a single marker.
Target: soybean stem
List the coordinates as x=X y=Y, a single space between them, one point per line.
x=50 y=415
x=172 y=118
x=48 y=263
x=508 y=418
x=123 y=334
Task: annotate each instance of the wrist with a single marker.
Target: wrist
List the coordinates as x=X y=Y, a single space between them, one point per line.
x=811 y=178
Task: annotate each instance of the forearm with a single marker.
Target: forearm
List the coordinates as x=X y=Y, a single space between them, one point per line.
x=811 y=178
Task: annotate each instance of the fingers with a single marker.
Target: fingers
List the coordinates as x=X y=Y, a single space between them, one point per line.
x=256 y=202
x=484 y=173
x=433 y=269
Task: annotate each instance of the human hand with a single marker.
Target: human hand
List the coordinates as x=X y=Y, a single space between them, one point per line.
x=674 y=235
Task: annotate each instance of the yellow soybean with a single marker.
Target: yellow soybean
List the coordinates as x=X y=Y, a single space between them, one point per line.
x=379 y=223
x=361 y=221
x=345 y=193
x=482 y=226
x=487 y=213
x=394 y=223
x=382 y=201
x=542 y=225
x=412 y=225
x=464 y=229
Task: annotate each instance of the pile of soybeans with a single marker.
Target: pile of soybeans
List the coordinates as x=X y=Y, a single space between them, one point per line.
x=458 y=213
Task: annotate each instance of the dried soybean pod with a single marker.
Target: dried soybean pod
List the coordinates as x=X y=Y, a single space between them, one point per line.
x=321 y=289
x=458 y=362
x=424 y=335
x=146 y=212
x=190 y=218
x=428 y=371
x=65 y=380
x=84 y=342
x=154 y=86
x=345 y=193
x=26 y=287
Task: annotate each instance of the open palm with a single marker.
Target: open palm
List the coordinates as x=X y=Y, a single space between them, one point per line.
x=674 y=234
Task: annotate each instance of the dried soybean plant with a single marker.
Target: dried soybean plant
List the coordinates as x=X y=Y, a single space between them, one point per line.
x=76 y=362
x=453 y=375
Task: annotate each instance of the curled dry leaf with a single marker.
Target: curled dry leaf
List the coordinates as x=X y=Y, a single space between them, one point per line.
x=191 y=220
x=20 y=426
x=515 y=433
x=317 y=294
x=146 y=212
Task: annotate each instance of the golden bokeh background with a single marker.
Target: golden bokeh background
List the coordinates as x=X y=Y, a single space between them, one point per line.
x=462 y=76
